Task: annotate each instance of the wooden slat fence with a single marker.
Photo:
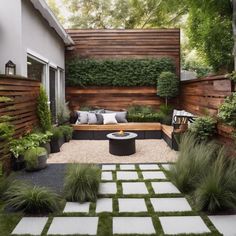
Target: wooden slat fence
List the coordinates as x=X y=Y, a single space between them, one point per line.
x=120 y=44
x=112 y=98
x=22 y=109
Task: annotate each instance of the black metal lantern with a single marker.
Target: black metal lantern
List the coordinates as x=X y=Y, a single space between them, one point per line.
x=10 y=68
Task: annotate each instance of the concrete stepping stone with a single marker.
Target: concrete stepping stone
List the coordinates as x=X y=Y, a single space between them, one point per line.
x=104 y=205
x=170 y=204
x=127 y=167
x=183 y=225
x=132 y=205
x=73 y=225
x=126 y=175
x=30 y=225
x=153 y=175
x=106 y=175
x=166 y=166
x=149 y=167
x=133 y=225
x=225 y=224
x=134 y=188
x=164 y=187
x=108 y=167
x=107 y=188
x=77 y=207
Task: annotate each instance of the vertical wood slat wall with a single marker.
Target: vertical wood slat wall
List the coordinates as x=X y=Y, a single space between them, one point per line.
x=22 y=109
x=119 y=44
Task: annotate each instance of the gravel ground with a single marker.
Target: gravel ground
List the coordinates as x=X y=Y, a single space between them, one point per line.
x=96 y=151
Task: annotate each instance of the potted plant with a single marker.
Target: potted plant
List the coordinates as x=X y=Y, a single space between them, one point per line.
x=56 y=138
x=67 y=132
x=36 y=158
x=42 y=140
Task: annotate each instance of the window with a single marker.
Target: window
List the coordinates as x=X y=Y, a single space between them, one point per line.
x=35 y=69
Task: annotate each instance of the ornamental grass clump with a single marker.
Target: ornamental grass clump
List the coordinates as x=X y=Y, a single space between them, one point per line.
x=192 y=164
x=82 y=182
x=31 y=199
x=217 y=189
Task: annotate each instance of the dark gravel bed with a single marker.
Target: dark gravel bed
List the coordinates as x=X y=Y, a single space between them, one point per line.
x=51 y=177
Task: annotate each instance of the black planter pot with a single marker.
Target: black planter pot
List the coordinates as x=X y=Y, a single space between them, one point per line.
x=67 y=139
x=61 y=141
x=18 y=163
x=47 y=146
x=55 y=145
x=42 y=163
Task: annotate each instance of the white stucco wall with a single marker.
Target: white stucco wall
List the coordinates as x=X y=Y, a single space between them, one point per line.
x=10 y=34
x=40 y=38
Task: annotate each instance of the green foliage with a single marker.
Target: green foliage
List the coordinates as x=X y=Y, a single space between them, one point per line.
x=119 y=73
x=5 y=183
x=232 y=76
x=210 y=31
x=227 y=110
x=192 y=164
x=31 y=157
x=63 y=114
x=152 y=117
x=203 y=128
x=31 y=199
x=6 y=131
x=40 y=138
x=82 y=182
x=136 y=109
x=167 y=85
x=43 y=110
x=217 y=190
x=57 y=133
x=5 y=99
x=67 y=131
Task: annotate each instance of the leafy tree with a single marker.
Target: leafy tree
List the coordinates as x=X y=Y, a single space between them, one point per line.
x=167 y=85
x=56 y=10
x=43 y=110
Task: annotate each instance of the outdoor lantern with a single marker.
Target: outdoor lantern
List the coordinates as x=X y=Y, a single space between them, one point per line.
x=10 y=68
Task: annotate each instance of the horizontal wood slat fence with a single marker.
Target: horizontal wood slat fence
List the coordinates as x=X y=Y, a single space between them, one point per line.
x=120 y=44
x=204 y=96
x=22 y=109
x=112 y=98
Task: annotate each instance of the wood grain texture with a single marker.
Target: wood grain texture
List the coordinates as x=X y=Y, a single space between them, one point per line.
x=22 y=109
x=113 y=98
x=120 y=44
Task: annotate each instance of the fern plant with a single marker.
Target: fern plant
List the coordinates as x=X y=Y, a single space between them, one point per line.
x=43 y=110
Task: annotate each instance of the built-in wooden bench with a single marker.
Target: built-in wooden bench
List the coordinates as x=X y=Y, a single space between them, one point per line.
x=144 y=131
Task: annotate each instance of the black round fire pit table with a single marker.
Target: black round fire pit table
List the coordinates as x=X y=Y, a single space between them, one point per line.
x=122 y=144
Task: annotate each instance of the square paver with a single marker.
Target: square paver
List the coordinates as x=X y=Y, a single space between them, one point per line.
x=170 y=204
x=126 y=175
x=225 y=224
x=149 y=167
x=30 y=225
x=133 y=225
x=134 y=188
x=106 y=175
x=166 y=166
x=77 y=207
x=153 y=175
x=183 y=225
x=73 y=225
x=164 y=187
x=108 y=167
x=104 y=205
x=132 y=205
x=107 y=188
x=127 y=167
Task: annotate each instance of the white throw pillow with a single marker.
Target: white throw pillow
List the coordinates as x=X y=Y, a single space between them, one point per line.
x=109 y=118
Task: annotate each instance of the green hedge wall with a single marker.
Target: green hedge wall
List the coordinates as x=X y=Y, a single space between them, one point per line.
x=118 y=73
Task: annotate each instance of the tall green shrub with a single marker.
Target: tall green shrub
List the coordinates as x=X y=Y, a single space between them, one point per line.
x=119 y=73
x=43 y=110
x=167 y=85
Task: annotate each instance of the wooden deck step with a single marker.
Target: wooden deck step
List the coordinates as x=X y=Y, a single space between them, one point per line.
x=167 y=129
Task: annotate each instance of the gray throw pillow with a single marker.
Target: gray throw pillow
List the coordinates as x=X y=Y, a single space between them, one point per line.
x=92 y=119
x=121 y=116
x=82 y=117
x=99 y=119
